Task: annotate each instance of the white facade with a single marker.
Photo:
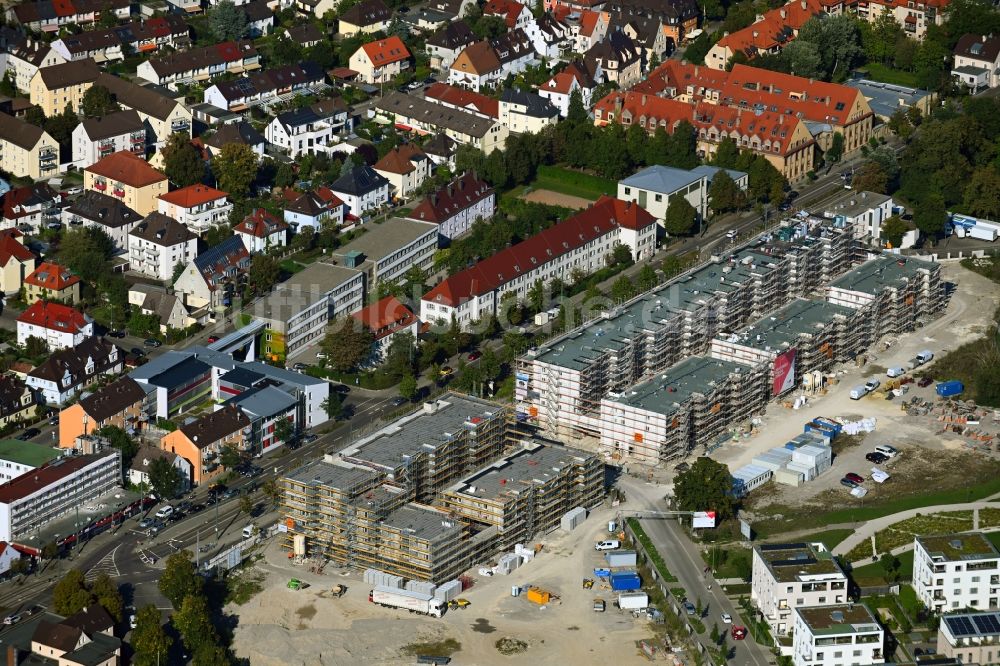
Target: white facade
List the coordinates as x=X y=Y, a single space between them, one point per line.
x=86 y=150
x=655 y=187
x=258 y=244
x=317 y=135
x=22 y=68
x=361 y=203
x=863 y=213
x=953 y=572
x=11 y=469
x=55 y=338
x=158 y=261
x=786 y=577
x=201 y=216
x=8 y=556
x=837 y=636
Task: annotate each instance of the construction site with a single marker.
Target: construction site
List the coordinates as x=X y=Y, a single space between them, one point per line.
x=616 y=381
x=435 y=491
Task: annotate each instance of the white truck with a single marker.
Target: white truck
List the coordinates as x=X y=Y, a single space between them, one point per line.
x=633 y=600
x=415 y=602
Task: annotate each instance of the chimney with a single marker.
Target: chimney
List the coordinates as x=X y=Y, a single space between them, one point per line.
x=644 y=100
x=803 y=3
x=756 y=34
x=12 y=655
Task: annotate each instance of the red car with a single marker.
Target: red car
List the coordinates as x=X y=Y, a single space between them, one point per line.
x=213 y=338
x=925 y=382
x=738 y=632
x=474 y=356
x=856 y=478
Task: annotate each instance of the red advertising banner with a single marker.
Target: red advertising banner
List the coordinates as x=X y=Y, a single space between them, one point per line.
x=784 y=372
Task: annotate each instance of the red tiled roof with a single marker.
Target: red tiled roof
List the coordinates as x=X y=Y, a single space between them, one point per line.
x=52 y=276
x=461 y=193
x=128 y=168
x=563 y=81
x=400 y=159
x=509 y=264
x=666 y=112
x=385 y=317
x=193 y=195
x=386 y=51
x=509 y=10
x=588 y=21
x=54 y=316
x=63 y=8
x=10 y=247
x=260 y=224
x=39 y=195
x=462 y=98
x=776 y=28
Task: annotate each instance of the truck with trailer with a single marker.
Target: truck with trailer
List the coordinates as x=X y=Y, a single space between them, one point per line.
x=415 y=602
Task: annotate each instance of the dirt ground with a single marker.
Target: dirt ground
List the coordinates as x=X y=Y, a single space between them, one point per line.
x=308 y=627
x=556 y=199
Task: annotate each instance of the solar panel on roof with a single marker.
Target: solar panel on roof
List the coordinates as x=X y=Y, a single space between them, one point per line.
x=960 y=626
x=987 y=624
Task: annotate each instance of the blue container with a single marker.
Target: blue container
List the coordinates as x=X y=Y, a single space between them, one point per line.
x=602 y=573
x=948 y=389
x=625 y=580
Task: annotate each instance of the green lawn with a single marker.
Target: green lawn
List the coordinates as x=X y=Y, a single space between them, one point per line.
x=829 y=538
x=291 y=267
x=573 y=183
x=875 y=572
x=879 y=72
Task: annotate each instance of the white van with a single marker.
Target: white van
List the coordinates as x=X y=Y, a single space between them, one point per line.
x=610 y=544
x=858 y=392
x=925 y=356
x=895 y=372
x=249 y=531
x=165 y=512
x=887 y=451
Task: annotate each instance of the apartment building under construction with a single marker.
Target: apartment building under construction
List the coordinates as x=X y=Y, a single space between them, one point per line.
x=371 y=504
x=560 y=385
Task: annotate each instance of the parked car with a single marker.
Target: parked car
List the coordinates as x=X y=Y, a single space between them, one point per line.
x=145 y=523
x=856 y=478
x=195 y=508
x=876 y=458
x=116 y=334
x=925 y=382
x=398 y=401
x=132 y=621
x=309 y=438
x=872 y=384
x=847 y=482
x=727 y=618
x=152 y=342
x=138 y=353
x=689 y=608
x=887 y=451
x=212 y=338
x=475 y=356
x=12 y=619
x=446 y=371
x=28 y=434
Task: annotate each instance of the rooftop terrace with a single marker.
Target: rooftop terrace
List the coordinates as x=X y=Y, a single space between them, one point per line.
x=790 y=562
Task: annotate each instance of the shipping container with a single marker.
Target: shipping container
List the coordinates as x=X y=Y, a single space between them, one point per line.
x=625 y=580
x=448 y=591
x=950 y=388
x=621 y=558
x=538 y=595
x=633 y=601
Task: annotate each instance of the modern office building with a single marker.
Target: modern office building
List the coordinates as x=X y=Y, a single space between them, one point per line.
x=956 y=571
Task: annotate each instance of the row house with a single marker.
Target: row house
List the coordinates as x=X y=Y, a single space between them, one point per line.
x=457 y=206
x=319 y=208
x=118 y=404
x=58 y=326
x=444 y=45
x=96 y=138
x=197 y=207
x=261 y=231
x=579 y=243
x=158 y=244
x=363 y=18
x=17 y=404
x=201 y=64
x=461 y=98
x=202 y=441
x=47 y=16
x=646 y=32
x=618 y=57
x=488 y=62
x=161 y=115
x=575 y=77
x=68 y=371
x=26 y=58
x=310 y=130
x=264 y=87
x=115 y=43
x=423 y=116
x=522 y=111
x=110 y=215
x=678 y=18
x=16 y=261
x=771 y=32
x=127 y=177
x=381 y=61
x=240 y=132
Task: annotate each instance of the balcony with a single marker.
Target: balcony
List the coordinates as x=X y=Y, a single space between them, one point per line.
x=100 y=185
x=47 y=154
x=118 y=192
x=179 y=125
x=138 y=137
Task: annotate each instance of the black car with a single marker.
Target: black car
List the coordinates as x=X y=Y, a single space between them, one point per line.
x=116 y=334
x=195 y=508
x=876 y=458
x=29 y=433
x=151 y=342
x=138 y=353
x=398 y=401
x=309 y=438
x=341 y=388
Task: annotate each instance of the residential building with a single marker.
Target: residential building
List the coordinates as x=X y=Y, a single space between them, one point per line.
x=310 y=130
x=158 y=243
x=8 y=555
x=127 y=177
x=550 y=36
x=425 y=20
x=16 y=261
x=309 y=392
x=977 y=61
x=406 y=167
x=18 y=458
x=656 y=186
x=793 y=575
x=456 y=9
x=200 y=64
x=560 y=88
x=161 y=115
x=52 y=282
x=27 y=150
x=514 y=14
x=210 y=279
x=25 y=59
x=863 y=213
x=970 y=638
x=885 y=99
x=264 y=87
x=305 y=35
x=85 y=639
x=524 y=112
x=176 y=381
x=444 y=45
x=457 y=206
x=31 y=207
x=68 y=371
x=138 y=473
x=586 y=27
x=317 y=209
x=679 y=18
x=198 y=207
x=17 y=403
x=41 y=16
x=240 y=132
x=262 y=231
x=55 y=87
x=618 y=58
x=298 y=310
x=381 y=61
x=95 y=209
x=118 y=404
x=150 y=300
x=441 y=149
x=59 y=326
x=424 y=116
x=644 y=29
x=956 y=571
x=201 y=441
x=771 y=32
x=461 y=98
x=266 y=406
x=578 y=243
x=366 y=17
x=142 y=36
x=842 y=635
x=362 y=189
x=259 y=17
x=485 y=63
x=386 y=319
x=388 y=250
x=913 y=16
x=95 y=138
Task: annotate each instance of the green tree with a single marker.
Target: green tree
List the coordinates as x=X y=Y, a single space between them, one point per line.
x=706 y=486
x=836 y=149
x=726 y=154
x=193 y=620
x=870 y=178
x=149 y=640
x=401 y=355
x=164 y=478
x=622 y=289
x=333 y=406
x=227 y=21
x=247 y=504
x=724 y=195
x=97 y=102
x=60 y=127
x=347 y=345
x=408 y=387
x=803 y=59
x=263 y=273
x=680 y=218
x=893 y=230
x=576 y=112
x=285 y=52
x=180 y=579
x=70 y=595
x=838 y=42
x=35 y=346
x=647 y=278
x=105 y=592
x=7 y=86
x=284 y=176
x=235 y=167
x=930 y=215
x=272 y=491
x=879 y=38
x=982 y=194
x=230 y=457
x=697 y=50
x=621 y=255
x=120 y=440
x=209 y=654
x=182 y=163
x=284 y=430
x=107 y=17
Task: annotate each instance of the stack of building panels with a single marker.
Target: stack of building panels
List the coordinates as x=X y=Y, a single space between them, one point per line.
x=508 y=563
x=773 y=459
x=620 y=558
x=376 y=577
x=448 y=591
x=421 y=586
x=573 y=519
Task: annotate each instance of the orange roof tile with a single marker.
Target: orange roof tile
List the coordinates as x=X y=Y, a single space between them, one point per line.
x=588 y=21
x=400 y=159
x=386 y=51
x=462 y=98
x=128 y=168
x=52 y=276
x=260 y=224
x=509 y=10
x=776 y=28
x=385 y=317
x=193 y=195
x=54 y=316
x=11 y=248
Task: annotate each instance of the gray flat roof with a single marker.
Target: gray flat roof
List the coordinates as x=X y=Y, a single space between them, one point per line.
x=390 y=447
x=381 y=240
x=782 y=328
x=302 y=290
x=423 y=522
x=264 y=401
x=332 y=475
x=852 y=204
x=709 y=171
x=663 y=179
x=664 y=394
x=885 y=98
x=873 y=276
x=535 y=464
